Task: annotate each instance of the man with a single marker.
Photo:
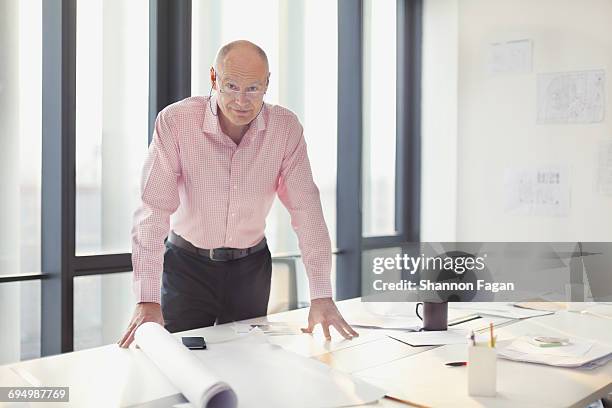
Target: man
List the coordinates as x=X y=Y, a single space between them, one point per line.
x=215 y=164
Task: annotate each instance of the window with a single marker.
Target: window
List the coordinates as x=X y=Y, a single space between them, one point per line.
x=103 y=307
x=379 y=124
x=19 y=321
x=112 y=88
x=20 y=176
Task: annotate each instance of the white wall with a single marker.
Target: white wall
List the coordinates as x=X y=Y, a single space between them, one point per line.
x=496 y=118
x=439 y=121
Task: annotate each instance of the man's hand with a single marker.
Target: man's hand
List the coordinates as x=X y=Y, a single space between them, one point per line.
x=324 y=311
x=144 y=312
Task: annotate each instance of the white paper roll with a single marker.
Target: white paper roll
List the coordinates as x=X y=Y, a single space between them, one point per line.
x=184 y=370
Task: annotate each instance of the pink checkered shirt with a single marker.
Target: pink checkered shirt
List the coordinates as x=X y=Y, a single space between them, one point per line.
x=197 y=182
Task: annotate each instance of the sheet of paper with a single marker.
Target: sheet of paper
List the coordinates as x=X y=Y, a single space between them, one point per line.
x=571 y=97
x=510 y=57
x=501 y=310
x=272 y=329
x=432 y=338
x=543 y=306
x=384 y=322
x=540 y=191
x=128 y=376
x=266 y=375
x=482 y=323
x=315 y=344
x=394 y=316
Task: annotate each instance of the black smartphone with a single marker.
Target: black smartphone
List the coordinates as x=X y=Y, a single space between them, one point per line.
x=194 y=343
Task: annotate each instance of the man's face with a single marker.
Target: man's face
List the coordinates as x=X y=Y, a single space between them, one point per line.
x=241 y=80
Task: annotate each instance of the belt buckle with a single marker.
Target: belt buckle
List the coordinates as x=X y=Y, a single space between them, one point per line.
x=211 y=255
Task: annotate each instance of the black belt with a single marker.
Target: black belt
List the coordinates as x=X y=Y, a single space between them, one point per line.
x=215 y=254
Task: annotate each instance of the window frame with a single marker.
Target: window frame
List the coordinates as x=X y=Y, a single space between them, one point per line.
x=408 y=139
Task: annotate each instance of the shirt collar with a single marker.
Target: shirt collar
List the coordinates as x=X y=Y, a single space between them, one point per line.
x=211 y=120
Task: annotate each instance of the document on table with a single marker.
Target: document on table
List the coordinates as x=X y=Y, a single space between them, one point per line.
x=500 y=309
x=190 y=376
x=271 y=329
x=384 y=322
x=432 y=338
x=542 y=306
x=399 y=322
x=579 y=353
x=601 y=310
x=250 y=373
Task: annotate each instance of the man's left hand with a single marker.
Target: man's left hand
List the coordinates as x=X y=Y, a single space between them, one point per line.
x=324 y=311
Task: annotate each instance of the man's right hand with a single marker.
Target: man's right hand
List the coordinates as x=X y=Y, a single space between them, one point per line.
x=144 y=312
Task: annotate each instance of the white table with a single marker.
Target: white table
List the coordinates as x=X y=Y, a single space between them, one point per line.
x=425 y=379
x=109 y=376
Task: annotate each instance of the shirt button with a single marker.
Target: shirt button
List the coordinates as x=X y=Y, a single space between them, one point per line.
x=233 y=214
x=230 y=238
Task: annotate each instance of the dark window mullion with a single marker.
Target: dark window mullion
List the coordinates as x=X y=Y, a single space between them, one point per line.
x=58 y=175
x=408 y=114
x=169 y=55
x=349 y=177
x=21 y=277
x=382 y=241
x=102 y=264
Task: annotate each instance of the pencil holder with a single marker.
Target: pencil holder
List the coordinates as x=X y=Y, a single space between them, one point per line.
x=482 y=371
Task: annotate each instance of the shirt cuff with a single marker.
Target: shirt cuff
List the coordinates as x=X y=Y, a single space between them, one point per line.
x=147 y=291
x=320 y=287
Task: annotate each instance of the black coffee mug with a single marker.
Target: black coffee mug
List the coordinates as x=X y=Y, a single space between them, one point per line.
x=435 y=315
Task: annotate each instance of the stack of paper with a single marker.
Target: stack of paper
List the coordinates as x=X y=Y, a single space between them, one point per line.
x=579 y=353
x=602 y=310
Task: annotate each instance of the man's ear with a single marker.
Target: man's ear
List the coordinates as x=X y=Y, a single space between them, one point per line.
x=213 y=78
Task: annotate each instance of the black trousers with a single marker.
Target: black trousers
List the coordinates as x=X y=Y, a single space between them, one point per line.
x=197 y=292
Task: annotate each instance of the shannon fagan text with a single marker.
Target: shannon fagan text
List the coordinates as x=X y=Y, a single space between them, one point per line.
x=426 y=284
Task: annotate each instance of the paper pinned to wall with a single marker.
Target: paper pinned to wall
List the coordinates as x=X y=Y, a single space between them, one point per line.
x=541 y=191
x=604 y=168
x=510 y=57
x=571 y=97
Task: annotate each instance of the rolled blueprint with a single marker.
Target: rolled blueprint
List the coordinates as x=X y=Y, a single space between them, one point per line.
x=185 y=371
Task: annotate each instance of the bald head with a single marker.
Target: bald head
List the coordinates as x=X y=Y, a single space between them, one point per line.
x=241 y=52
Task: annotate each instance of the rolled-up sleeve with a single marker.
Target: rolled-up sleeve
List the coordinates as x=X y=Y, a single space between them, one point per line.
x=160 y=198
x=299 y=194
